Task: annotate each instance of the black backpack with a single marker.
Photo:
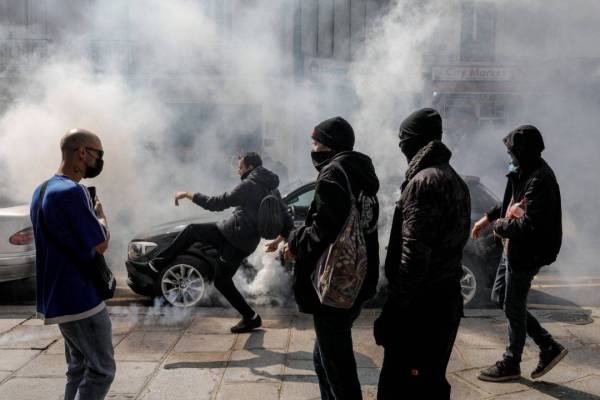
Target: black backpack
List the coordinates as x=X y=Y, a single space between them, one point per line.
x=270 y=215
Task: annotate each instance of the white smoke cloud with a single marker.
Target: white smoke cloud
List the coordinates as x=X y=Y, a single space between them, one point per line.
x=153 y=56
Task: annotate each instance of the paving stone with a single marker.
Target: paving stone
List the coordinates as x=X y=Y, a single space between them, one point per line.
x=7 y=324
x=481 y=333
x=478 y=357
x=213 y=362
x=263 y=339
x=493 y=387
x=33 y=388
x=182 y=384
x=586 y=386
x=306 y=388
x=204 y=343
x=369 y=379
x=58 y=347
x=249 y=391
x=255 y=366
x=4 y=375
x=212 y=325
x=12 y=360
x=368 y=355
x=29 y=337
x=531 y=394
x=181 y=320
x=461 y=390
x=45 y=366
x=298 y=368
x=145 y=346
x=587 y=334
x=132 y=376
x=302 y=343
x=561 y=373
x=586 y=359
x=457 y=362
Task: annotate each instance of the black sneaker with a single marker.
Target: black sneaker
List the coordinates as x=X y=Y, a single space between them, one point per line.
x=502 y=371
x=247 y=325
x=548 y=359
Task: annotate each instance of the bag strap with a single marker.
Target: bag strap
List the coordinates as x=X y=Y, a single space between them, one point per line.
x=348 y=185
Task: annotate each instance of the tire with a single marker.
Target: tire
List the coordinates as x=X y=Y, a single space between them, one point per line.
x=473 y=284
x=184 y=282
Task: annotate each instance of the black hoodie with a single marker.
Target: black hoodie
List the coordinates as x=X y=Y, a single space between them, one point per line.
x=326 y=218
x=241 y=229
x=535 y=239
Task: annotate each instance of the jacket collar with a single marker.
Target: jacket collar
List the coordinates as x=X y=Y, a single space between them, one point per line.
x=434 y=153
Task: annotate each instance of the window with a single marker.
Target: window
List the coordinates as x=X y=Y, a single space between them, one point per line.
x=478 y=32
x=303 y=200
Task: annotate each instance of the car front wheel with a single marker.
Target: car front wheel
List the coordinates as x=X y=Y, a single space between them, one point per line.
x=468 y=285
x=183 y=283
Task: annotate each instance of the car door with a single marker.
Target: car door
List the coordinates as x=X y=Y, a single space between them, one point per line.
x=299 y=202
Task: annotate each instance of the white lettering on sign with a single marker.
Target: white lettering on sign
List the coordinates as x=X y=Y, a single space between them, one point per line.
x=453 y=73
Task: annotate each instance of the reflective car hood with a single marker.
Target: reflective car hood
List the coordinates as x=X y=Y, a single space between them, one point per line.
x=178 y=225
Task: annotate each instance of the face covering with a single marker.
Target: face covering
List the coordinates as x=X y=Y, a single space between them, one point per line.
x=410 y=147
x=92 y=172
x=513 y=165
x=321 y=158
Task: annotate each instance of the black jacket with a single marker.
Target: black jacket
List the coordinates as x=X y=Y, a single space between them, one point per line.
x=430 y=228
x=241 y=229
x=326 y=217
x=535 y=239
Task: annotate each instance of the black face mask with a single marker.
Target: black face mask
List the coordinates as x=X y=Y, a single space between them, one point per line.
x=410 y=147
x=92 y=172
x=321 y=158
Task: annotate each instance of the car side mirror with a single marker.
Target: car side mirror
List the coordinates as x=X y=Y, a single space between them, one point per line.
x=292 y=210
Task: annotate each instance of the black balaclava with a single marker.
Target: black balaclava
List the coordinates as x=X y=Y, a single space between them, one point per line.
x=525 y=145
x=418 y=129
x=335 y=133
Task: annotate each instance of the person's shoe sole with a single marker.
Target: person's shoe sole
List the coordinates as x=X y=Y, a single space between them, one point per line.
x=506 y=378
x=245 y=330
x=552 y=364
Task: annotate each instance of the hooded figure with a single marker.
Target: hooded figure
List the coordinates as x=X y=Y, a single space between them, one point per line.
x=529 y=221
x=332 y=156
x=420 y=319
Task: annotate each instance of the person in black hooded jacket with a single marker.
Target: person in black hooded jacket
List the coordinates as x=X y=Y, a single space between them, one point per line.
x=420 y=319
x=529 y=222
x=333 y=141
x=235 y=238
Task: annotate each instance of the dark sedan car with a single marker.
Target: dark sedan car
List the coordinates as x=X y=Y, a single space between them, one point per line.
x=183 y=283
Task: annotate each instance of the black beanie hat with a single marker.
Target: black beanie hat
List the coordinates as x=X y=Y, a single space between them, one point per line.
x=525 y=141
x=426 y=123
x=335 y=133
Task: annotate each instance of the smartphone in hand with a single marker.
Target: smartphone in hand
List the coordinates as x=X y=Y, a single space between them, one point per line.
x=92 y=192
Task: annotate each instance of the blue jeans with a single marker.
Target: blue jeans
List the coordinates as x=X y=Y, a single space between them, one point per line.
x=510 y=291
x=334 y=356
x=90 y=357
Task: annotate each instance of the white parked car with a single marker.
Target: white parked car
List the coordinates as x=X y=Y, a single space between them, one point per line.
x=17 y=249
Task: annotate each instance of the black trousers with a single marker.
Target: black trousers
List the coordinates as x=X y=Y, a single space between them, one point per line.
x=333 y=355
x=414 y=365
x=229 y=261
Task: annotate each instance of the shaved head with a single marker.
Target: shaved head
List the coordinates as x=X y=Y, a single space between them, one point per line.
x=76 y=138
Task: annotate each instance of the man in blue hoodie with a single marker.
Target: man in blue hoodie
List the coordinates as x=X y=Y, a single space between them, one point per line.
x=70 y=227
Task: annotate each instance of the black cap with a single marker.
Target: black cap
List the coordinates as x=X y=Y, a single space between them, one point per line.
x=335 y=133
x=425 y=122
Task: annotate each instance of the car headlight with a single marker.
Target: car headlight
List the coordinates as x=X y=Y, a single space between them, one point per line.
x=139 y=249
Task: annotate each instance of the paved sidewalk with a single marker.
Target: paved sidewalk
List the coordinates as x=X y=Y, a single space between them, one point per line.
x=173 y=354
